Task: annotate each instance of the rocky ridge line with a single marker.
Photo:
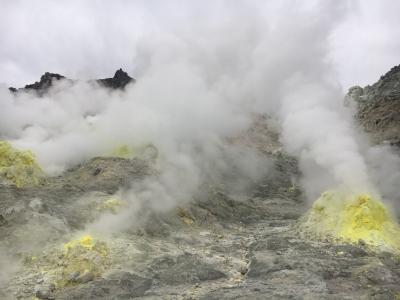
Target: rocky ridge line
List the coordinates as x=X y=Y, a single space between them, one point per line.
x=119 y=81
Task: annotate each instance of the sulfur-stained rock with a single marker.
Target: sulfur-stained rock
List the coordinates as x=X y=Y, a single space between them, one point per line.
x=19 y=167
x=353 y=219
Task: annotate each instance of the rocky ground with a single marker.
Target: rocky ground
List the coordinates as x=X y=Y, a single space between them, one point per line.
x=213 y=247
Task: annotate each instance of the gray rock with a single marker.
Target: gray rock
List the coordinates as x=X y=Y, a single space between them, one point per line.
x=45 y=291
x=119 y=285
x=262 y=265
x=36 y=205
x=351 y=250
x=379 y=275
x=378 y=107
x=81 y=277
x=183 y=269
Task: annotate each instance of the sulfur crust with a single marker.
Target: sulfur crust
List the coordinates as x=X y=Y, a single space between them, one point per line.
x=353 y=219
x=148 y=151
x=113 y=205
x=82 y=255
x=19 y=167
x=123 y=151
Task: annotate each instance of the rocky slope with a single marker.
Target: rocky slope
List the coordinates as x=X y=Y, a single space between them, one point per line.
x=213 y=247
x=378 y=107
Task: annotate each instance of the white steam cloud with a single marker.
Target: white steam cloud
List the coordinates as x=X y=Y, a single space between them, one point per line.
x=202 y=71
x=316 y=131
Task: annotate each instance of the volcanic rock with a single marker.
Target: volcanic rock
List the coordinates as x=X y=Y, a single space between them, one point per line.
x=378 y=107
x=47 y=80
x=120 y=285
x=227 y=248
x=119 y=81
x=184 y=269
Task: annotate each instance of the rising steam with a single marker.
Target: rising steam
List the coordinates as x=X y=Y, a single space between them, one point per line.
x=198 y=85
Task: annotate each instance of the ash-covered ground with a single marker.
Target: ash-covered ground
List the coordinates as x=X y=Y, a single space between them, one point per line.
x=215 y=246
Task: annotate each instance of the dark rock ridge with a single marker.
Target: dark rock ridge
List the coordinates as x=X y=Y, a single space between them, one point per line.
x=119 y=81
x=378 y=107
x=45 y=82
x=43 y=85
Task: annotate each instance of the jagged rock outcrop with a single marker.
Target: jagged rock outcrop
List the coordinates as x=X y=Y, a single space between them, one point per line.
x=47 y=80
x=119 y=81
x=42 y=86
x=378 y=107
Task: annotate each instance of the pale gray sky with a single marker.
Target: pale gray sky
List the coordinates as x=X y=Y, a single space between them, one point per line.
x=90 y=39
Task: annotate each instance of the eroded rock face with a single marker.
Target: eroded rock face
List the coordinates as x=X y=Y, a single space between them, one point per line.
x=378 y=107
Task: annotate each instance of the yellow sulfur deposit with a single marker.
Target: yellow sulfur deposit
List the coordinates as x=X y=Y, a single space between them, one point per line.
x=147 y=152
x=352 y=219
x=123 y=151
x=19 y=167
x=112 y=205
x=86 y=242
x=83 y=260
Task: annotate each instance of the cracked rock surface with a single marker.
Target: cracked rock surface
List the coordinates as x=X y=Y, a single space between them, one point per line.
x=230 y=250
